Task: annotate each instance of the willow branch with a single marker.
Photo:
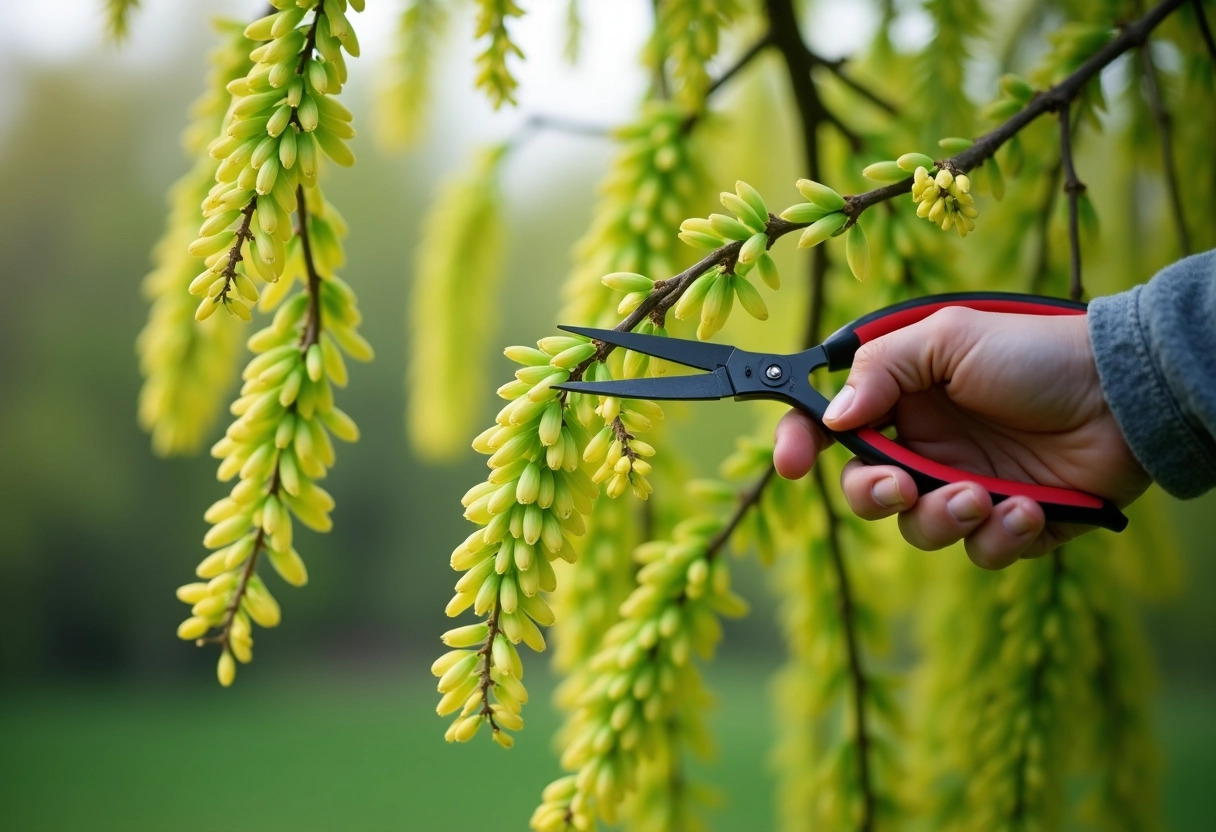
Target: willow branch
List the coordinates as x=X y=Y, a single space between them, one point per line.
x=312 y=325
x=747 y=500
x=1050 y=100
x=1165 y=132
x=856 y=143
x=224 y=636
x=1039 y=276
x=487 y=664
x=1204 y=29
x=764 y=41
x=1073 y=187
x=836 y=67
x=235 y=256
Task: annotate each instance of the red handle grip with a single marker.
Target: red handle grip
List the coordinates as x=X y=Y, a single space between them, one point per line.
x=844 y=343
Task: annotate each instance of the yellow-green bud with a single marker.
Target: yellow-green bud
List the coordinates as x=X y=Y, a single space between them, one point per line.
x=857 y=252
x=820 y=194
x=821 y=229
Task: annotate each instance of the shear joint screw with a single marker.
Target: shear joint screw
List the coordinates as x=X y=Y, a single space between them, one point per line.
x=773 y=371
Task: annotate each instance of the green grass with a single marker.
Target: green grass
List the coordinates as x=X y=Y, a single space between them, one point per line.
x=368 y=754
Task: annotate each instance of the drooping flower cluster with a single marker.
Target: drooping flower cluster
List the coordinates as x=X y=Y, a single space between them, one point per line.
x=529 y=507
x=493 y=75
x=283 y=115
x=643 y=673
x=279 y=445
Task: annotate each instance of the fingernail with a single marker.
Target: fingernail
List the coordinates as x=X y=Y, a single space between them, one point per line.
x=886 y=493
x=963 y=506
x=1017 y=522
x=838 y=405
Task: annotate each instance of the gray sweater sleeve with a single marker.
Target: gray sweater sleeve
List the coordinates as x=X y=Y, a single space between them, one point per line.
x=1156 y=352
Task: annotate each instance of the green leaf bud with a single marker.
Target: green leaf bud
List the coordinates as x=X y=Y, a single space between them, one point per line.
x=754 y=199
x=911 y=161
x=750 y=299
x=716 y=309
x=690 y=302
x=885 y=172
x=467 y=636
x=821 y=229
x=857 y=252
x=767 y=267
x=627 y=282
x=698 y=240
x=729 y=227
x=820 y=194
x=954 y=145
x=1016 y=87
x=756 y=245
x=741 y=209
x=805 y=212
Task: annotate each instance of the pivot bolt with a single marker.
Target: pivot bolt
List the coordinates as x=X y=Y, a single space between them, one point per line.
x=773 y=371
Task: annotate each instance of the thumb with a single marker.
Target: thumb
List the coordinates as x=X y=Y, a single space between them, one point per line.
x=908 y=360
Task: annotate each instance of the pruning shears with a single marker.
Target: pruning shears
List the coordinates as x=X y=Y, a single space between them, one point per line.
x=743 y=375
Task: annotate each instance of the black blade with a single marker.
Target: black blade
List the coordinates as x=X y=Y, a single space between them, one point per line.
x=713 y=385
x=689 y=353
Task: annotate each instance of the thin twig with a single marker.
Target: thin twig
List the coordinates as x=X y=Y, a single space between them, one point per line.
x=1050 y=100
x=312 y=325
x=1073 y=187
x=1039 y=275
x=747 y=500
x=743 y=60
x=856 y=143
x=836 y=67
x=1165 y=131
x=487 y=664
x=1204 y=29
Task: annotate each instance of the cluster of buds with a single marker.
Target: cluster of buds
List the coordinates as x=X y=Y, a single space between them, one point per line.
x=945 y=199
x=621 y=455
x=713 y=294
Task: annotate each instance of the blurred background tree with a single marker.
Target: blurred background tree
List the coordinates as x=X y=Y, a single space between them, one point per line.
x=109 y=723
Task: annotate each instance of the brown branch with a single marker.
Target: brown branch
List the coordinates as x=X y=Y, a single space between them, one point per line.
x=1051 y=100
x=1204 y=29
x=312 y=326
x=1039 y=276
x=224 y=636
x=1165 y=132
x=765 y=41
x=856 y=143
x=234 y=253
x=836 y=67
x=486 y=653
x=747 y=500
x=1073 y=187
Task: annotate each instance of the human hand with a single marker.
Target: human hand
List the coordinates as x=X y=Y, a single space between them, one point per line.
x=1011 y=396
